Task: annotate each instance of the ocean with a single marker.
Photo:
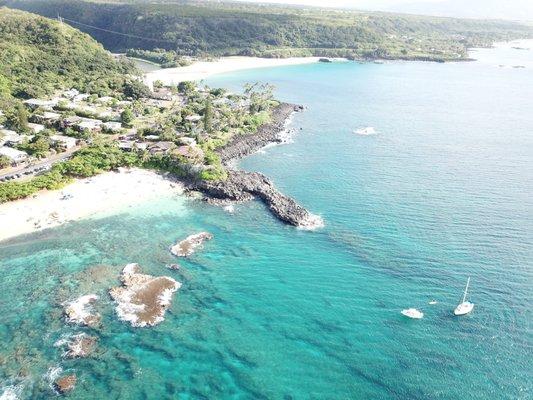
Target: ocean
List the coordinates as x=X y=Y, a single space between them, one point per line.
x=441 y=192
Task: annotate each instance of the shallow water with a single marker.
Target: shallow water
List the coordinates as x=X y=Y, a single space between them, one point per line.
x=441 y=192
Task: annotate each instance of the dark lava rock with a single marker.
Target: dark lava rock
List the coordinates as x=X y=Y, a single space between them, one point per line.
x=244 y=145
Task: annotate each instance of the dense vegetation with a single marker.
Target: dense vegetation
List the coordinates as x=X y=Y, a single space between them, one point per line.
x=195 y=28
x=39 y=56
x=86 y=162
x=165 y=58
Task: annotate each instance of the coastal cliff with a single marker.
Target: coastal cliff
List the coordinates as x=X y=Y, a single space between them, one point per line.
x=243 y=186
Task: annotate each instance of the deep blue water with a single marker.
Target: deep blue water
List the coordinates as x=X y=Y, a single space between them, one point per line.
x=443 y=191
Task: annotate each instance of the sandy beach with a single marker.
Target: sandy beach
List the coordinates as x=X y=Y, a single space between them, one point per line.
x=203 y=69
x=100 y=195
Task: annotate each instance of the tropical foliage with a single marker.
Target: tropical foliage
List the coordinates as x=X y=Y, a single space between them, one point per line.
x=39 y=56
x=196 y=28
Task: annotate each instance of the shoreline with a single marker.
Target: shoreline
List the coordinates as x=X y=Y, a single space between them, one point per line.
x=111 y=192
x=200 y=70
x=85 y=198
x=243 y=186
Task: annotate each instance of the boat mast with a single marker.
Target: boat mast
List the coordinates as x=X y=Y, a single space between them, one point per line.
x=466 y=289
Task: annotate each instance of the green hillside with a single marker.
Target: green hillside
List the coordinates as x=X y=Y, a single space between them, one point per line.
x=39 y=56
x=194 y=28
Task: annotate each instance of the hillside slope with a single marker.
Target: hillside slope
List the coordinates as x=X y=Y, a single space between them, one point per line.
x=39 y=55
x=273 y=31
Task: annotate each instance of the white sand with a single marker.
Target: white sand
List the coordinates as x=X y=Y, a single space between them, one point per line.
x=203 y=69
x=91 y=197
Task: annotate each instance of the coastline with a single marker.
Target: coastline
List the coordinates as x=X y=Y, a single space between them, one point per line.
x=117 y=190
x=203 y=69
x=242 y=185
x=85 y=198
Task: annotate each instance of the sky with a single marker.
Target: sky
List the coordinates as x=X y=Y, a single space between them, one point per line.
x=345 y=3
x=501 y=9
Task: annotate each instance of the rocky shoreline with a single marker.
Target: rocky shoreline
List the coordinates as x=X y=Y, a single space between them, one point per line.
x=243 y=186
x=244 y=145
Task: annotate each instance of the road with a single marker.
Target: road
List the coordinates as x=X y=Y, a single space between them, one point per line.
x=27 y=171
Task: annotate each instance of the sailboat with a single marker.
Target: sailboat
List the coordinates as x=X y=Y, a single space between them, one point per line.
x=465 y=307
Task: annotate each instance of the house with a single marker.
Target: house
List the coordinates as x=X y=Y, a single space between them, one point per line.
x=86 y=110
x=109 y=116
x=112 y=126
x=89 y=124
x=162 y=94
x=193 y=118
x=39 y=103
x=189 y=152
x=126 y=145
x=187 y=140
x=81 y=97
x=65 y=141
x=104 y=100
x=131 y=145
x=10 y=138
x=158 y=103
x=70 y=121
x=161 y=147
x=123 y=103
x=16 y=156
x=36 y=128
x=46 y=117
x=141 y=145
x=71 y=93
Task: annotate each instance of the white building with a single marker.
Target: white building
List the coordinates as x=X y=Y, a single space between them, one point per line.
x=70 y=94
x=104 y=99
x=88 y=124
x=67 y=141
x=193 y=118
x=112 y=126
x=36 y=128
x=81 y=97
x=16 y=156
x=36 y=103
x=10 y=137
x=188 y=140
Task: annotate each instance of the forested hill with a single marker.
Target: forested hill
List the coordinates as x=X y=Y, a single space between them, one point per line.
x=195 y=28
x=39 y=55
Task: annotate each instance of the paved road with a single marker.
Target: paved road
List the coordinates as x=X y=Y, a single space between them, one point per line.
x=26 y=171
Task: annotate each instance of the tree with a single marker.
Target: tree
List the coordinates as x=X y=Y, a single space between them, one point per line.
x=208 y=116
x=126 y=117
x=136 y=89
x=17 y=118
x=158 y=84
x=186 y=87
x=4 y=162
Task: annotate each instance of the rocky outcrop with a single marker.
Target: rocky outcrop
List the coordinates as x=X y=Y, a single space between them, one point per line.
x=242 y=186
x=142 y=300
x=81 y=345
x=188 y=246
x=79 y=311
x=65 y=384
x=244 y=145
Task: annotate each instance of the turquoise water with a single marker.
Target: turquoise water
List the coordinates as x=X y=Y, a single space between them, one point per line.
x=441 y=192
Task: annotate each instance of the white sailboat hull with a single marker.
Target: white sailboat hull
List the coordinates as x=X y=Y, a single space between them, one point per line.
x=413 y=313
x=464 y=308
